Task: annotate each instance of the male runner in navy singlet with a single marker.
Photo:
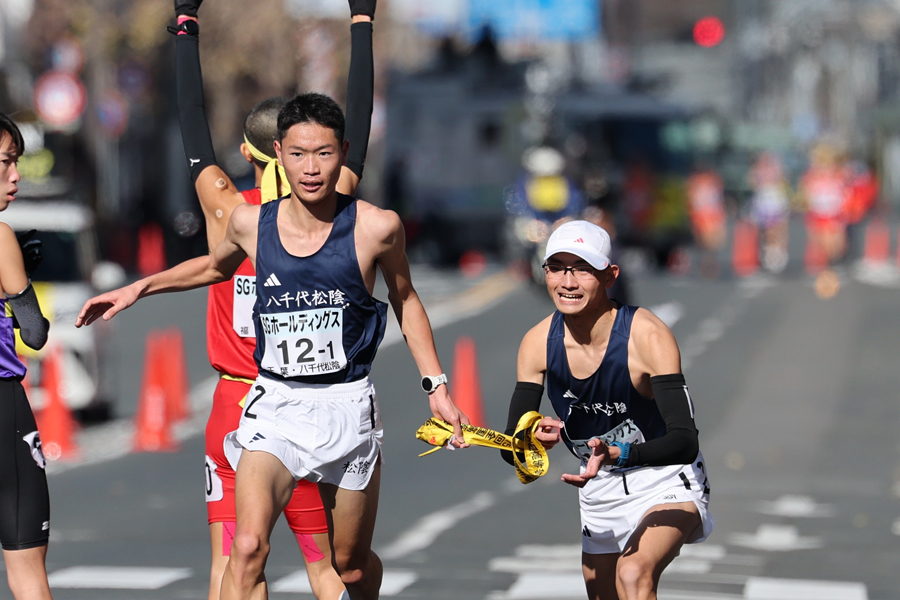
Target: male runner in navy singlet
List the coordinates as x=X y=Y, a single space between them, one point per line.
x=312 y=412
x=613 y=376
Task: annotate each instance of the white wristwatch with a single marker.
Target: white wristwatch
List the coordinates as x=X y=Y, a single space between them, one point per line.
x=429 y=383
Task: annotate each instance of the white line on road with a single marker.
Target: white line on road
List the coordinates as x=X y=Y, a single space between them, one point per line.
x=130 y=578
x=428 y=528
x=763 y=588
x=393 y=582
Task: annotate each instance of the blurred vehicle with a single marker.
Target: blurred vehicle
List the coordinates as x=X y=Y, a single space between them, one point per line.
x=541 y=199
x=69 y=274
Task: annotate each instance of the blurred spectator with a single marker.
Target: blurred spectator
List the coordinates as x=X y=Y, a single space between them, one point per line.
x=824 y=190
x=706 y=205
x=770 y=209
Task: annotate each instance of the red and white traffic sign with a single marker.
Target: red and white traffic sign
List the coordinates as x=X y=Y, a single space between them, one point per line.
x=59 y=98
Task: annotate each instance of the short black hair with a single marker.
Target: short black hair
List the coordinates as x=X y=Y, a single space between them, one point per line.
x=261 y=124
x=312 y=108
x=7 y=125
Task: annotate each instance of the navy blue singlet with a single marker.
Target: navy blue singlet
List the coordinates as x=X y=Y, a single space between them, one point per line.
x=315 y=320
x=606 y=404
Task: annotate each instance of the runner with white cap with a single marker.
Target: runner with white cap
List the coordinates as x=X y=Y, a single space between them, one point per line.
x=613 y=376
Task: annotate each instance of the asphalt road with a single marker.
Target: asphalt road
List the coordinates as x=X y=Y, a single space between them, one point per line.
x=797 y=407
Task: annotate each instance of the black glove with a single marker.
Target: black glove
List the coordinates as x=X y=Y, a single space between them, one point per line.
x=31 y=250
x=362 y=7
x=187 y=7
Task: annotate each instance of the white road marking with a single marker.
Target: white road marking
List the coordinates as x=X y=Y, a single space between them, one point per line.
x=125 y=578
x=775 y=538
x=394 y=582
x=669 y=313
x=543 y=585
x=796 y=506
x=428 y=528
x=763 y=588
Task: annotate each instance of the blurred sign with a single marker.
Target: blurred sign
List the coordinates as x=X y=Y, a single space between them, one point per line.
x=67 y=55
x=112 y=115
x=59 y=98
x=537 y=19
x=328 y=9
x=436 y=17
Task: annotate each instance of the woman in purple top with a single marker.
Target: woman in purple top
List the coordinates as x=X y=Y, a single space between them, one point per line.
x=24 y=499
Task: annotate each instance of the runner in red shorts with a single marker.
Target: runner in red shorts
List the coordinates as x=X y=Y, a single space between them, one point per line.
x=231 y=337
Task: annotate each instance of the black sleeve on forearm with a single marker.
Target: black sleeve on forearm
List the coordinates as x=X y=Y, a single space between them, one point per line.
x=198 y=148
x=679 y=445
x=33 y=327
x=526 y=397
x=360 y=94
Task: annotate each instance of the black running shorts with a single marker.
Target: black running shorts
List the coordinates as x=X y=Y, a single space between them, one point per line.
x=24 y=498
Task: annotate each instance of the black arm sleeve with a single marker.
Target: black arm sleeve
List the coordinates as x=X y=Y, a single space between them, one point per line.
x=33 y=327
x=679 y=445
x=198 y=148
x=526 y=397
x=360 y=94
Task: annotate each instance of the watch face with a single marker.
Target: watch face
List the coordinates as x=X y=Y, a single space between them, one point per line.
x=427 y=385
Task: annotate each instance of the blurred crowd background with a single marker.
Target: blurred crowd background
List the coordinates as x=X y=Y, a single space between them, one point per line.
x=684 y=127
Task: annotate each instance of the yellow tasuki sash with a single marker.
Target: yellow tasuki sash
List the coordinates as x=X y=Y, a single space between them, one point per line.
x=438 y=433
x=241 y=380
x=274 y=183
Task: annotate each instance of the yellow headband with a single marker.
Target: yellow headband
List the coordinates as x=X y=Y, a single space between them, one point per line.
x=274 y=180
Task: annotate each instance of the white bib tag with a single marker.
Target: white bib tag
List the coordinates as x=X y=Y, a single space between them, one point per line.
x=309 y=342
x=242 y=308
x=214 y=490
x=626 y=432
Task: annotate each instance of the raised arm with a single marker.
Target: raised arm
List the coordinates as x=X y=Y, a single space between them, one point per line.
x=220 y=265
x=217 y=193
x=385 y=227
x=360 y=94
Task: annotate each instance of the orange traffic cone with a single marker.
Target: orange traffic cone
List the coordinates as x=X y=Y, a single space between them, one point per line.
x=56 y=423
x=466 y=392
x=745 y=249
x=151 y=251
x=152 y=426
x=877 y=248
x=175 y=369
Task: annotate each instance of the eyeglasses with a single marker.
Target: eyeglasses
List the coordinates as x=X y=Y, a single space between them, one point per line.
x=557 y=271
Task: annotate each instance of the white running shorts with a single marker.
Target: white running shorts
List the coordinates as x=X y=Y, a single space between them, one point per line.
x=329 y=433
x=613 y=503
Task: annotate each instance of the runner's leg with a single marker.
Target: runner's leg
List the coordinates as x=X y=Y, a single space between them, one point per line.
x=653 y=545
x=326 y=584
x=305 y=516
x=224 y=418
x=263 y=487
x=351 y=521
x=600 y=575
x=26 y=573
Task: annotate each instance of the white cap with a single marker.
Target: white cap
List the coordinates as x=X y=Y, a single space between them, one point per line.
x=584 y=240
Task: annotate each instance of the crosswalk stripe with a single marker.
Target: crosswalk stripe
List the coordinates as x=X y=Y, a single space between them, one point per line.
x=125 y=578
x=393 y=582
x=764 y=588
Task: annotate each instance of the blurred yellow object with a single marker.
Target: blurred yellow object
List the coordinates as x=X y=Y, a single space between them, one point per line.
x=548 y=193
x=438 y=433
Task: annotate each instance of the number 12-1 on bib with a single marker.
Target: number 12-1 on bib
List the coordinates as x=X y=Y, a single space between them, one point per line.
x=308 y=342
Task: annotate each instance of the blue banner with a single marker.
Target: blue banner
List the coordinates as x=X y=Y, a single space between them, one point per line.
x=537 y=19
